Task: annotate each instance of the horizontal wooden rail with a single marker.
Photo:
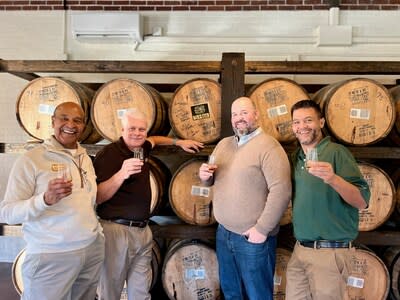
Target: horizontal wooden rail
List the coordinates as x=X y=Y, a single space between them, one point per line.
x=97 y=66
x=199 y=67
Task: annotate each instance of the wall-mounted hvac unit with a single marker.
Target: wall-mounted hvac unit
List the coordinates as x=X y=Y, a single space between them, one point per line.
x=107 y=27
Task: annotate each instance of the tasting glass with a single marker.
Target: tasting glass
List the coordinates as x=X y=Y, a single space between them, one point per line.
x=64 y=172
x=311 y=155
x=138 y=153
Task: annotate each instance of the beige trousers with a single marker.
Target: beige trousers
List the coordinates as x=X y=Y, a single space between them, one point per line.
x=319 y=274
x=127 y=257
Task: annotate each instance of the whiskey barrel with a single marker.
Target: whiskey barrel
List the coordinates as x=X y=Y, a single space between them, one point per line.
x=16 y=271
x=282 y=258
x=287 y=215
x=116 y=96
x=358 y=111
x=190 y=271
x=160 y=177
x=195 y=110
x=383 y=197
x=394 y=134
x=274 y=99
x=156 y=263
x=391 y=258
x=38 y=100
x=368 y=277
x=189 y=198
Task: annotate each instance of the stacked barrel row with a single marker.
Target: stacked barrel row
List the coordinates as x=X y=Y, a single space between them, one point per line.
x=358 y=112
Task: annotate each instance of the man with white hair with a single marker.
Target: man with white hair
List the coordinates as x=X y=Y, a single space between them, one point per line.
x=123 y=199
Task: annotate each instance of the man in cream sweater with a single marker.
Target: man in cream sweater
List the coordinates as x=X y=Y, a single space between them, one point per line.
x=64 y=240
x=252 y=189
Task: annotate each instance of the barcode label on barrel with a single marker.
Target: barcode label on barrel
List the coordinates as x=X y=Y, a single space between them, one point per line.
x=277 y=111
x=46 y=109
x=120 y=113
x=195 y=273
x=277 y=280
x=360 y=113
x=355 y=282
x=200 y=191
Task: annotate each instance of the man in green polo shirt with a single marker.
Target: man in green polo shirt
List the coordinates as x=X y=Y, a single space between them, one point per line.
x=327 y=195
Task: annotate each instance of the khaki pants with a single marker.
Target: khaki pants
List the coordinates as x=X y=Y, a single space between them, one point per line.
x=71 y=275
x=319 y=274
x=127 y=257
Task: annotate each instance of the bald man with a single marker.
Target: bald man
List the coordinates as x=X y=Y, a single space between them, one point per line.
x=252 y=189
x=64 y=240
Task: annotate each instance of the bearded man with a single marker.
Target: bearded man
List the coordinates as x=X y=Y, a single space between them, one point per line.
x=252 y=189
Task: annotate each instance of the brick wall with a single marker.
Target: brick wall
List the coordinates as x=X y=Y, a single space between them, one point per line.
x=196 y=5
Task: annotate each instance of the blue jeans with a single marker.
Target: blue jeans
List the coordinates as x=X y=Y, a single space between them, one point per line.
x=246 y=270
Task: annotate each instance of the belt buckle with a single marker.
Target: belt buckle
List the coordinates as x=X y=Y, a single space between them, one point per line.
x=317 y=245
x=130 y=223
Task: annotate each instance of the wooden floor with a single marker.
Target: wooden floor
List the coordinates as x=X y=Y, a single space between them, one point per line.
x=7 y=291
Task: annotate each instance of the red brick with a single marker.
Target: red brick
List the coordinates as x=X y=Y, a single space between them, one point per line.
x=205 y=2
x=216 y=8
x=31 y=7
x=252 y=7
x=198 y=8
x=268 y=7
x=180 y=8
x=259 y=2
x=146 y=8
x=154 y=3
x=163 y=8
x=193 y=2
x=231 y=8
x=307 y=2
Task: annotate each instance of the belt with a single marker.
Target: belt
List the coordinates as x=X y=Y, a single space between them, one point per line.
x=325 y=244
x=131 y=223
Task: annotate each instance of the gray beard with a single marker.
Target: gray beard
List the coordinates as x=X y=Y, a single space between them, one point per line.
x=243 y=132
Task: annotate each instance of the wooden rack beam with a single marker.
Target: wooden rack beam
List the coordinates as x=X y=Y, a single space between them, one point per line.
x=199 y=67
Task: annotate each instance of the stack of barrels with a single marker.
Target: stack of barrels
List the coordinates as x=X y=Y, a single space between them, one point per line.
x=358 y=112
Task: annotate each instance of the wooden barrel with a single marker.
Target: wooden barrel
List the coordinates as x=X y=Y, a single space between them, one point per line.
x=190 y=271
x=274 y=99
x=391 y=258
x=383 y=197
x=195 y=110
x=189 y=198
x=17 y=272
x=287 y=215
x=358 y=111
x=394 y=134
x=116 y=96
x=156 y=262
x=160 y=177
x=368 y=277
x=282 y=258
x=37 y=101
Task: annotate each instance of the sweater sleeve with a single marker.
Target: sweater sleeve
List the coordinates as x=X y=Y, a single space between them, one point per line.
x=20 y=203
x=276 y=168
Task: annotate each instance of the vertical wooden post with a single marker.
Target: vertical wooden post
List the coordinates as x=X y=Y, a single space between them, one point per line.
x=232 y=81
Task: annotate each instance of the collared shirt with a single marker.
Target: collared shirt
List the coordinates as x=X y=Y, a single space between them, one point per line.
x=133 y=199
x=245 y=138
x=319 y=212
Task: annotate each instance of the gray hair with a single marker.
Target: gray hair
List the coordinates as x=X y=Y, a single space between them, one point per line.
x=133 y=113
